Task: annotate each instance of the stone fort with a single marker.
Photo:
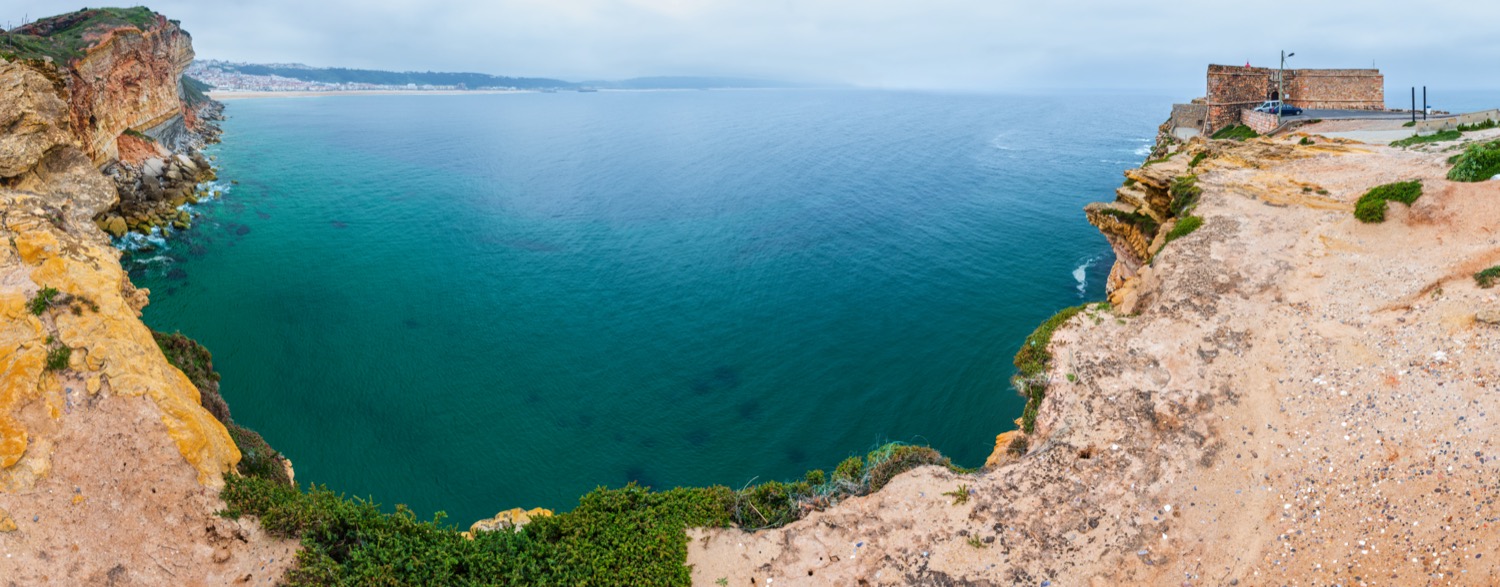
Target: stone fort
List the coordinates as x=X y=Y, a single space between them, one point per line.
x=1234 y=89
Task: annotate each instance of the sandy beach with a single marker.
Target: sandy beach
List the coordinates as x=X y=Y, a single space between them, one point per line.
x=249 y=95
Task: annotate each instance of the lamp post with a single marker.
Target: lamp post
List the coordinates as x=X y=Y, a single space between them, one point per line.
x=1281 y=86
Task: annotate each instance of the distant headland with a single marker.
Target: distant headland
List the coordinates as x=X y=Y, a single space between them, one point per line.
x=238 y=78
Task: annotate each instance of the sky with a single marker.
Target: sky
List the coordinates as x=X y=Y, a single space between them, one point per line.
x=965 y=45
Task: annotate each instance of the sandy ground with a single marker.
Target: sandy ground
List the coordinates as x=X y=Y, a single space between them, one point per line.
x=1363 y=130
x=1303 y=400
x=223 y=96
x=120 y=508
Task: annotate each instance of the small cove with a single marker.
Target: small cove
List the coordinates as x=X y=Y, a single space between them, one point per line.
x=472 y=303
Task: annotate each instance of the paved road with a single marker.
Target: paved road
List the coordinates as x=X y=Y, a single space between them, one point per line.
x=1351 y=114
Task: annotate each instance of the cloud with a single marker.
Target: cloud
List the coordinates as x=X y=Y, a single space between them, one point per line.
x=946 y=44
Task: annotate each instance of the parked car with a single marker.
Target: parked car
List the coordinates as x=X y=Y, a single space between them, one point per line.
x=1271 y=106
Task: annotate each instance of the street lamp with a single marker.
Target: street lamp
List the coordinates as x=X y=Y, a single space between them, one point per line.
x=1281 y=86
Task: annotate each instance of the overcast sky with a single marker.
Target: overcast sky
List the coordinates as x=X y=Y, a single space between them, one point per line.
x=984 y=45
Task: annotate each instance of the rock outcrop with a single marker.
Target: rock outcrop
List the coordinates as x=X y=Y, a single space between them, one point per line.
x=128 y=110
x=107 y=456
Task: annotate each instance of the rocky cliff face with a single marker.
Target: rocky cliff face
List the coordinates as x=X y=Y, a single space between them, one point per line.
x=107 y=456
x=1292 y=398
x=119 y=72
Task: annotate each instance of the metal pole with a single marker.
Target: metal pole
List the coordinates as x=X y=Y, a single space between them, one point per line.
x=1280 y=88
x=1413 y=104
x=1424 y=103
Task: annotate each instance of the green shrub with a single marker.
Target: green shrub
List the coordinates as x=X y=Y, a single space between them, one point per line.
x=1409 y=123
x=815 y=477
x=1488 y=123
x=1370 y=208
x=1305 y=141
x=1032 y=362
x=1238 y=132
x=625 y=536
x=257 y=459
x=1478 y=162
x=42 y=300
x=57 y=358
x=886 y=462
x=1147 y=224
x=853 y=468
x=1447 y=135
x=1197 y=159
x=1487 y=278
x=1185 y=192
x=1370 y=211
x=1185 y=226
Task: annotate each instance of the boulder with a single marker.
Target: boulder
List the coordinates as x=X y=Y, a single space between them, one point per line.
x=509 y=520
x=153 y=167
x=115 y=226
x=7 y=524
x=1488 y=316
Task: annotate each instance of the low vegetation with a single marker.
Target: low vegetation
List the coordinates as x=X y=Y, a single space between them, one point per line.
x=65 y=37
x=960 y=496
x=194 y=91
x=1478 y=162
x=1238 y=132
x=1197 y=159
x=1370 y=208
x=140 y=135
x=1032 y=362
x=1148 y=225
x=1305 y=141
x=188 y=356
x=1437 y=137
x=1488 y=278
x=41 y=301
x=1185 y=193
x=1488 y=123
x=58 y=358
x=626 y=536
x=1185 y=226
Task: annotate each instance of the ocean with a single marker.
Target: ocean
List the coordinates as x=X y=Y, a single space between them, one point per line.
x=476 y=302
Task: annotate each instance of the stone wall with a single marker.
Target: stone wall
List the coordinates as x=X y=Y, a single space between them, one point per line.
x=1425 y=127
x=1356 y=89
x=1233 y=89
x=1261 y=122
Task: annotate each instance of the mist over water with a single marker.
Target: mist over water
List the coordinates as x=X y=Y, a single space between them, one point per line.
x=471 y=303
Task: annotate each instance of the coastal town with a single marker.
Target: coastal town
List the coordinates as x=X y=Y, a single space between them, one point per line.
x=225 y=76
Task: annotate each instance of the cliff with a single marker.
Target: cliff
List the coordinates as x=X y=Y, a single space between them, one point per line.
x=1281 y=395
x=108 y=458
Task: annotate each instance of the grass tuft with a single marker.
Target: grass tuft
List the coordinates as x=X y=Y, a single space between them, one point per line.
x=42 y=301
x=58 y=358
x=1185 y=226
x=1238 y=132
x=1032 y=362
x=1487 y=278
x=1437 y=137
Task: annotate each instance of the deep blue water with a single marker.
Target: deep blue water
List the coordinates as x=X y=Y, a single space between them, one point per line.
x=471 y=303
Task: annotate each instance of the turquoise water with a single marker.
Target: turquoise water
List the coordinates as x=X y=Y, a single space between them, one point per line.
x=472 y=303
